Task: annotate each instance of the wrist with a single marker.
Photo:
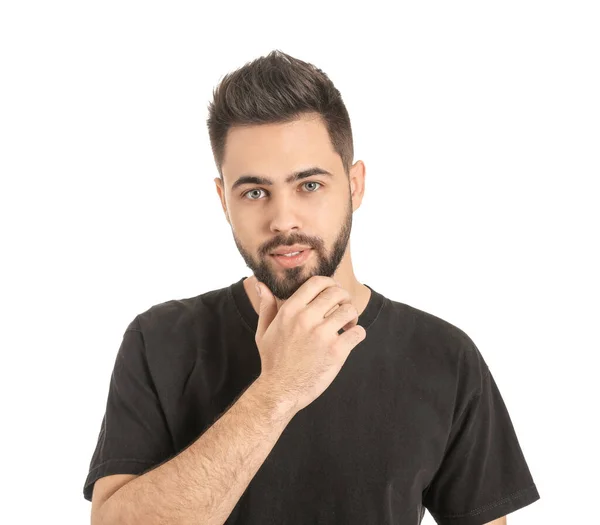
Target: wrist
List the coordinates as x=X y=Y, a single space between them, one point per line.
x=278 y=406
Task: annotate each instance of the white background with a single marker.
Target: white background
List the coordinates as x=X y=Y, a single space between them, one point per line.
x=479 y=125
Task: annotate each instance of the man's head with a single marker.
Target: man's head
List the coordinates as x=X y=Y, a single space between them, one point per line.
x=269 y=123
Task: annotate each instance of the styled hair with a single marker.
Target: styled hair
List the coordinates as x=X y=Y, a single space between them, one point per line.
x=277 y=88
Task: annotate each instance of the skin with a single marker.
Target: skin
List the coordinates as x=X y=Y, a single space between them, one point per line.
x=315 y=211
x=317 y=215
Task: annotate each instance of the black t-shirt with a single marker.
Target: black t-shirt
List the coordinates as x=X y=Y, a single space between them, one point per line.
x=413 y=421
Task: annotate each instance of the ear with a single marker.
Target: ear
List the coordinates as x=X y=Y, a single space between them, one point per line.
x=357 y=183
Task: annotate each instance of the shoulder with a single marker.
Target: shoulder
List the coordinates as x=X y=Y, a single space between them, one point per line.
x=177 y=333
x=438 y=344
x=426 y=328
x=436 y=330
x=172 y=331
x=175 y=315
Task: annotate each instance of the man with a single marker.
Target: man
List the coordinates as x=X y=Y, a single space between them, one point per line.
x=320 y=401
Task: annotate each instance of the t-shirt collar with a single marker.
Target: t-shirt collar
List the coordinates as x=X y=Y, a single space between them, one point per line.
x=244 y=306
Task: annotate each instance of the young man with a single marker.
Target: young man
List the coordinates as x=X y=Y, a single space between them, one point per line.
x=320 y=401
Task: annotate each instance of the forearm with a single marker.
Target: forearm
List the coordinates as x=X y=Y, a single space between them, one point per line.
x=203 y=483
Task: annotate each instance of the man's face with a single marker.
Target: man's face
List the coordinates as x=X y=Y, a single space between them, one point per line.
x=315 y=211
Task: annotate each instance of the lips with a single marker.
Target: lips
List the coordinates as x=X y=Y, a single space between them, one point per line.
x=294 y=260
x=290 y=249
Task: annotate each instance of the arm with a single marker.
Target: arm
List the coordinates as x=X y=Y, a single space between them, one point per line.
x=499 y=521
x=203 y=483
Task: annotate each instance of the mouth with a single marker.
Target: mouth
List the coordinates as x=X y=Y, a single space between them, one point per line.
x=290 y=261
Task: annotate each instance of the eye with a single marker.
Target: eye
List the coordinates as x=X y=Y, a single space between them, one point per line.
x=260 y=189
x=312 y=182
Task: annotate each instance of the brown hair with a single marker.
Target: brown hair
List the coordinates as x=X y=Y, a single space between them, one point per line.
x=277 y=88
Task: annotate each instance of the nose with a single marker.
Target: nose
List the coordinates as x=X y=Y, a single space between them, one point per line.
x=284 y=217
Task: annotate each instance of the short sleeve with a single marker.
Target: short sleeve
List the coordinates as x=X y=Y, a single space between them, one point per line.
x=134 y=436
x=483 y=474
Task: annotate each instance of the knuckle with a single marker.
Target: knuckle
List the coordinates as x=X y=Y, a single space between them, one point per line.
x=322 y=279
x=326 y=282
x=349 y=309
x=337 y=293
x=285 y=313
x=344 y=295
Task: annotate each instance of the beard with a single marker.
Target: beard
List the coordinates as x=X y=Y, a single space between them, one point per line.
x=283 y=282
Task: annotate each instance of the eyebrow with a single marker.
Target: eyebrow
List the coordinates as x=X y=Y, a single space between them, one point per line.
x=295 y=176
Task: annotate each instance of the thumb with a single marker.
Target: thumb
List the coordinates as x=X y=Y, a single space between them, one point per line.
x=267 y=310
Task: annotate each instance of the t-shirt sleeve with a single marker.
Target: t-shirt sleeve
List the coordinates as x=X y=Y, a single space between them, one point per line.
x=483 y=474
x=134 y=436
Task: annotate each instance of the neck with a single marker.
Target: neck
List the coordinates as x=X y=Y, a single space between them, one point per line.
x=359 y=293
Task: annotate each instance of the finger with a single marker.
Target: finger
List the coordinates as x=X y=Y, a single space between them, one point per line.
x=304 y=295
x=267 y=310
x=346 y=314
x=351 y=338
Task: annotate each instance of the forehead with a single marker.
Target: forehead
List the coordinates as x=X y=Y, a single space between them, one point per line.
x=279 y=148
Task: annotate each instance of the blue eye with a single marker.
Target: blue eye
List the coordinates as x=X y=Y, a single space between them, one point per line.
x=260 y=189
